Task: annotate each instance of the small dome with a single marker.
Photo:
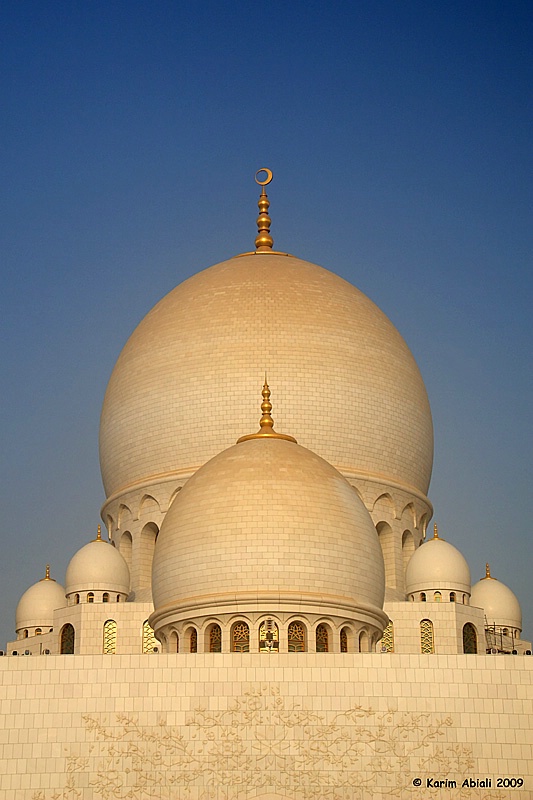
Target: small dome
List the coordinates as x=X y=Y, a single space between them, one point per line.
x=437 y=565
x=37 y=605
x=498 y=601
x=268 y=524
x=98 y=566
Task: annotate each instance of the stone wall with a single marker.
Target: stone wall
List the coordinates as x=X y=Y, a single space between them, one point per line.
x=297 y=726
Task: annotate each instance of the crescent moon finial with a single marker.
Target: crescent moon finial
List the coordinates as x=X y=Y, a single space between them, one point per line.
x=267 y=179
x=263 y=241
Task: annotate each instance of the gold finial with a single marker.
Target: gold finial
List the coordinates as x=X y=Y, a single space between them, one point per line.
x=99 y=534
x=435 y=531
x=47 y=574
x=266 y=430
x=487 y=572
x=264 y=240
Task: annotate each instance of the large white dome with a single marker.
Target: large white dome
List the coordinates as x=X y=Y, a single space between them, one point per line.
x=268 y=525
x=314 y=333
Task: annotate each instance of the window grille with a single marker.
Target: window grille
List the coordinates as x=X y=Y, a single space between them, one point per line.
x=469 y=639
x=387 y=642
x=66 y=645
x=215 y=639
x=344 y=640
x=322 y=639
x=110 y=636
x=426 y=636
x=296 y=637
x=240 y=637
x=149 y=640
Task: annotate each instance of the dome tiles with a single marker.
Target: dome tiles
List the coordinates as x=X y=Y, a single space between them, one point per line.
x=313 y=332
x=500 y=604
x=436 y=565
x=37 y=605
x=97 y=566
x=267 y=524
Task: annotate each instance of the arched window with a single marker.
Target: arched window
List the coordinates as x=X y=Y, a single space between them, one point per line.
x=344 y=640
x=193 y=641
x=422 y=597
x=426 y=636
x=149 y=640
x=110 y=637
x=437 y=597
x=387 y=641
x=505 y=631
x=25 y=634
x=90 y=597
x=363 y=642
x=215 y=639
x=66 y=639
x=38 y=631
x=118 y=598
x=268 y=637
x=322 y=639
x=174 y=643
x=77 y=599
x=452 y=597
x=296 y=637
x=240 y=638
x=469 y=639
x=464 y=599
x=105 y=597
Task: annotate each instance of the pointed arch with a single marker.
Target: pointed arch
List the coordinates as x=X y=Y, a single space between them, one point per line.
x=125 y=548
x=469 y=639
x=124 y=515
x=67 y=638
x=386 y=541
x=408 y=547
x=147 y=540
x=384 y=504
x=323 y=638
x=149 y=506
x=408 y=515
x=364 y=642
x=240 y=637
x=174 y=495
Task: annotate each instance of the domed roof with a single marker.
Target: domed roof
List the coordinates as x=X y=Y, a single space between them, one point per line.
x=37 y=605
x=97 y=566
x=435 y=565
x=267 y=520
x=498 y=601
x=325 y=337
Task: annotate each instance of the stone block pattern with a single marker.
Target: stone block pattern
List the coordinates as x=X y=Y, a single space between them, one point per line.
x=233 y=727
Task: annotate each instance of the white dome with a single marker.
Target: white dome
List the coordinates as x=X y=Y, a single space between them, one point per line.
x=37 y=605
x=500 y=604
x=325 y=339
x=437 y=565
x=97 y=566
x=268 y=525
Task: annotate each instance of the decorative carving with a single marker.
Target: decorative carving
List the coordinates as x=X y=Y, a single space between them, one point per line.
x=265 y=744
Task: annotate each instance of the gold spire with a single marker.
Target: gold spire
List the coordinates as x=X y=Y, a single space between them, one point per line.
x=99 y=534
x=47 y=574
x=435 y=531
x=266 y=429
x=487 y=572
x=264 y=240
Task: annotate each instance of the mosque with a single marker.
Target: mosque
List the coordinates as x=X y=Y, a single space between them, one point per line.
x=269 y=613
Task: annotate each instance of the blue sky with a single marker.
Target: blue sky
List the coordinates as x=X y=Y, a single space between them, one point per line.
x=399 y=134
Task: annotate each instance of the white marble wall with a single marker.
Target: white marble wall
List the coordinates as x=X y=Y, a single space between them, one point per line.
x=233 y=727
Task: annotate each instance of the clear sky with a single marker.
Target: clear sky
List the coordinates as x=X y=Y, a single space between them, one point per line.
x=399 y=134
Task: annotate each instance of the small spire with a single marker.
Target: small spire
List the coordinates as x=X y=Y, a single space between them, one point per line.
x=99 y=534
x=266 y=423
x=47 y=574
x=435 y=531
x=264 y=240
x=487 y=572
